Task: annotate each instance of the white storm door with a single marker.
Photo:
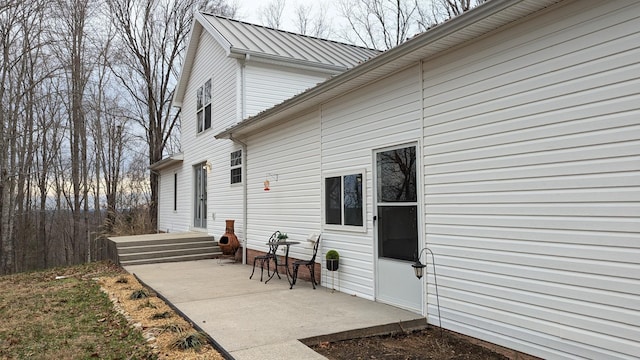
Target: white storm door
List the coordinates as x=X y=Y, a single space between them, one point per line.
x=397 y=230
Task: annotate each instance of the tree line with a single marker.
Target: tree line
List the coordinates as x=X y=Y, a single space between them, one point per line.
x=85 y=108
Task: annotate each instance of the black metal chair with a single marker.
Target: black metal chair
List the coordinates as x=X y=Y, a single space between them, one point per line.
x=310 y=264
x=266 y=258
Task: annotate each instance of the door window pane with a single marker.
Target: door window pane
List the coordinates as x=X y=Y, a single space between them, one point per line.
x=397 y=175
x=398 y=232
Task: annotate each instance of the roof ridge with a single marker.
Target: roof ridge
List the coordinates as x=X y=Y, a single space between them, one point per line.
x=289 y=32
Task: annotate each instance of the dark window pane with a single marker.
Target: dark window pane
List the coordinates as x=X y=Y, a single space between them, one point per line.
x=199 y=100
x=397 y=175
x=353 y=200
x=175 y=192
x=200 y=120
x=207 y=92
x=333 y=200
x=236 y=175
x=207 y=116
x=398 y=232
x=236 y=158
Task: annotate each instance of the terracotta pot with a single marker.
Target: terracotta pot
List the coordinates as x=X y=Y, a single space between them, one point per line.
x=229 y=241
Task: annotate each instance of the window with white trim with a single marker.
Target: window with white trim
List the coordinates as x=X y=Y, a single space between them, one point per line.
x=203 y=110
x=344 y=200
x=236 y=167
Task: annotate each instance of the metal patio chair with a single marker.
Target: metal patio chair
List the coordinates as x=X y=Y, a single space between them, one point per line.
x=266 y=258
x=310 y=264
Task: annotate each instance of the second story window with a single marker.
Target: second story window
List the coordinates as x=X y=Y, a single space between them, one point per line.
x=204 y=106
x=236 y=167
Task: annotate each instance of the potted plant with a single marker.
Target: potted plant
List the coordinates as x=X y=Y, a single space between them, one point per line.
x=282 y=236
x=332 y=257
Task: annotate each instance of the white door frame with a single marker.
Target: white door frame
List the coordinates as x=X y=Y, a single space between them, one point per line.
x=403 y=276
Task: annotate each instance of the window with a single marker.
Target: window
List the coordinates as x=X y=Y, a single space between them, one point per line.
x=236 y=167
x=175 y=191
x=344 y=200
x=204 y=106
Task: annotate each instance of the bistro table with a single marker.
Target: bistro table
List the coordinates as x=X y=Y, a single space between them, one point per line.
x=286 y=258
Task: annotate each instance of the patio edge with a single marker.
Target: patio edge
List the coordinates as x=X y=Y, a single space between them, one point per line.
x=224 y=353
x=387 y=329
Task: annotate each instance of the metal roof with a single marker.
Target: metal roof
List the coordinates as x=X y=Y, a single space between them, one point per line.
x=465 y=28
x=258 y=43
x=255 y=40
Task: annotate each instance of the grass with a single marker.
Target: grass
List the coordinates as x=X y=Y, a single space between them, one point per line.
x=67 y=318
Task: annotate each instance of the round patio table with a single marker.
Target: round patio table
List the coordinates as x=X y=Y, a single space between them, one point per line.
x=286 y=258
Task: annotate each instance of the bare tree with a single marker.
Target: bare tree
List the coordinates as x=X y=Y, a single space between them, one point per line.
x=457 y=7
x=312 y=23
x=221 y=7
x=21 y=27
x=271 y=14
x=380 y=24
x=153 y=34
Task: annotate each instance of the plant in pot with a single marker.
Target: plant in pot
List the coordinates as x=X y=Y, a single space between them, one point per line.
x=332 y=257
x=283 y=237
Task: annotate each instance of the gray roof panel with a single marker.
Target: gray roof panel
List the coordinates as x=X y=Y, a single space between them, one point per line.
x=256 y=39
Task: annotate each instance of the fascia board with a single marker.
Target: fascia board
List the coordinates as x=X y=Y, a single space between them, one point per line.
x=252 y=56
x=185 y=72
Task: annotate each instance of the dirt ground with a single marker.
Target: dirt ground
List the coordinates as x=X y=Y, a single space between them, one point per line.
x=426 y=344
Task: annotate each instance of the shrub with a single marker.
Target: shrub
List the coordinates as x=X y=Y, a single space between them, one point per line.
x=191 y=341
x=332 y=255
x=139 y=294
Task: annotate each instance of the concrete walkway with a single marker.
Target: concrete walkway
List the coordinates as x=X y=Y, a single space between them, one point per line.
x=253 y=320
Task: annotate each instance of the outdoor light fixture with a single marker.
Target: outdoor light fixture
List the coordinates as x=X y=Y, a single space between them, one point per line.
x=418 y=269
x=207 y=166
x=266 y=182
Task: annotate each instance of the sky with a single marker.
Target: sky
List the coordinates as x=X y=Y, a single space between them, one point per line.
x=249 y=10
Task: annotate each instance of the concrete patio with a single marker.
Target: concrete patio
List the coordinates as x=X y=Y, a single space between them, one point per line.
x=253 y=320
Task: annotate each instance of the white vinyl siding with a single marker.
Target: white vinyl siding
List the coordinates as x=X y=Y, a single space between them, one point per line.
x=268 y=85
x=383 y=114
x=212 y=63
x=168 y=219
x=292 y=205
x=532 y=183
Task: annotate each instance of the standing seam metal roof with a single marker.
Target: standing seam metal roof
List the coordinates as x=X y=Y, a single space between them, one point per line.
x=256 y=39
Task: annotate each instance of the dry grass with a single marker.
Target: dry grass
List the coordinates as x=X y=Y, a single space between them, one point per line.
x=161 y=331
x=63 y=314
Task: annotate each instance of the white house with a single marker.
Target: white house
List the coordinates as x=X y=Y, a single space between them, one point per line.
x=233 y=70
x=506 y=140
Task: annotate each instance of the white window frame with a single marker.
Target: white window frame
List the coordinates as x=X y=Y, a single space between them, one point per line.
x=234 y=164
x=203 y=104
x=341 y=226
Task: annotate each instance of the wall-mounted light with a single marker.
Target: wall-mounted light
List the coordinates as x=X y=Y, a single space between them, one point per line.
x=267 y=183
x=207 y=166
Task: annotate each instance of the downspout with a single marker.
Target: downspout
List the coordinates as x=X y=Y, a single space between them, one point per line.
x=244 y=195
x=243 y=115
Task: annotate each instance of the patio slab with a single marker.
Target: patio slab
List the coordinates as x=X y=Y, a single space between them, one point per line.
x=253 y=320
